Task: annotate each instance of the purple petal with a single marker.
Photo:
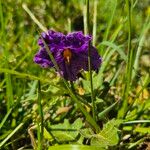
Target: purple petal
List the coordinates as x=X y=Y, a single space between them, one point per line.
x=42 y=58
x=77 y=44
x=96 y=60
x=77 y=39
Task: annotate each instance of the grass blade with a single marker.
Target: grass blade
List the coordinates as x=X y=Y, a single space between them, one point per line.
x=27 y=76
x=9 y=88
x=5 y=118
x=101 y=114
x=139 y=49
x=34 y=18
x=95 y=22
x=137 y=121
x=113 y=9
x=75 y=147
x=89 y=63
x=11 y=134
x=129 y=67
x=40 y=126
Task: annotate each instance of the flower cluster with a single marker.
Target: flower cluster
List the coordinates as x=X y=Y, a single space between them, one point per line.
x=69 y=51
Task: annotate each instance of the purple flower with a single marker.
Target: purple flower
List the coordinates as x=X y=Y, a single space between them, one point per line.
x=69 y=51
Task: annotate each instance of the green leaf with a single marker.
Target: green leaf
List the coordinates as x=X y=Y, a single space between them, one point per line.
x=142 y=130
x=108 y=136
x=115 y=48
x=87 y=133
x=66 y=131
x=47 y=135
x=75 y=147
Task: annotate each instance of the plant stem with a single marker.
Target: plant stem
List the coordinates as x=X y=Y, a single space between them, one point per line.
x=40 y=122
x=33 y=17
x=85 y=19
x=69 y=25
x=11 y=134
x=128 y=74
x=95 y=22
x=9 y=87
x=89 y=63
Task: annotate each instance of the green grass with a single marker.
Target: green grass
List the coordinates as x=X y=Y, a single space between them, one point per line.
x=104 y=110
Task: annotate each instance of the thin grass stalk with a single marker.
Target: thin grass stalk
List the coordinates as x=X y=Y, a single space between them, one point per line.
x=137 y=122
x=109 y=24
x=105 y=111
x=146 y=27
x=85 y=18
x=33 y=17
x=9 y=88
x=1 y=17
x=89 y=64
x=95 y=22
x=137 y=143
x=5 y=118
x=40 y=121
x=11 y=134
x=128 y=73
x=27 y=76
x=110 y=21
x=107 y=55
x=69 y=25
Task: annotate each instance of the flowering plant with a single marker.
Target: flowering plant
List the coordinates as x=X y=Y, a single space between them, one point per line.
x=69 y=51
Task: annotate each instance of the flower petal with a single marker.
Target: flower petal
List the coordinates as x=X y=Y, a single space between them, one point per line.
x=42 y=58
x=77 y=44
x=77 y=39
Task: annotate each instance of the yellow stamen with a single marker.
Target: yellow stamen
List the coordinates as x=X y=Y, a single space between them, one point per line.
x=67 y=55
